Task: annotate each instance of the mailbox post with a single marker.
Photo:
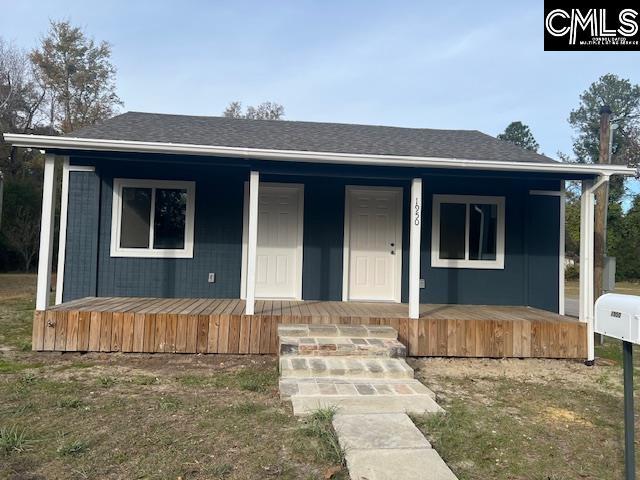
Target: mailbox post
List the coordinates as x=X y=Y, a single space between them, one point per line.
x=618 y=316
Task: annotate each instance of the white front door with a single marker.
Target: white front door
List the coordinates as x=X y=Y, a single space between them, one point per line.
x=279 y=253
x=373 y=243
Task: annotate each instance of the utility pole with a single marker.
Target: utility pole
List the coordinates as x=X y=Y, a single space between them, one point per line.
x=602 y=200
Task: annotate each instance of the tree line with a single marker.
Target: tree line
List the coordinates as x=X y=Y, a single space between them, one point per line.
x=623 y=216
x=67 y=82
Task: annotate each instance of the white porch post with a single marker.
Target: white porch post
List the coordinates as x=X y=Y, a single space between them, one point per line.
x=586 y=301
x=62 y=235
x=46 y=234
x=252 y=241
x=562 y=252
x=415 y=216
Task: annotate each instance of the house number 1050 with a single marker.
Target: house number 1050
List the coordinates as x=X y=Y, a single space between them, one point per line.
x=416 y=208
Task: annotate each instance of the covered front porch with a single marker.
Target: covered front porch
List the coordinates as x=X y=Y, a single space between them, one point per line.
x=469 y=263
x=191 y=325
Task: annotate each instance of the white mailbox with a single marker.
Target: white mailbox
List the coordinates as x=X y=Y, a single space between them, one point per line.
x=618 y=316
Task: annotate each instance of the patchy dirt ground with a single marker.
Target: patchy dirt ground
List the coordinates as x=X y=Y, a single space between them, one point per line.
x=526 y=419
x=571 y=374
x=115 y=416
x=150 y=416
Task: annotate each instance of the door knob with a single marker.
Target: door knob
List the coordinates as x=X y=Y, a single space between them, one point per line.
x=393 y=252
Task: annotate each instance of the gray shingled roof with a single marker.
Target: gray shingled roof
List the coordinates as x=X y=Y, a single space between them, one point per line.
x=307 y=136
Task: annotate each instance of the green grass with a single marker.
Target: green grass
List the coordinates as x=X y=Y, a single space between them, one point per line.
x=16 y=316
x=627 y=288
x=318 y=426
x=611 y=350
x=504 y=428
x=13 y=366
x=245 y=379
x=69 y=402
x=13 y=440
x=222 y=470
x=78 y=416
x=106 y=382
x=72 y=448
x=145 y=380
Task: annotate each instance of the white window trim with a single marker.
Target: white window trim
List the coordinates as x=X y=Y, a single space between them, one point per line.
x=436 y=261
x=116 y=218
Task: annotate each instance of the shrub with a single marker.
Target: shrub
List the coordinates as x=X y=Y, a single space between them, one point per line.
x=572 y=272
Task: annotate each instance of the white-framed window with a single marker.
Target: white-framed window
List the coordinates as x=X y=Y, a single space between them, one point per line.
x=467 y=232
x=152 y=218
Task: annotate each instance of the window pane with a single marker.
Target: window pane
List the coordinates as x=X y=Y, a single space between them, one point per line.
x=452 y=230
x=170 y=216
x=136 y=214
x=483 y=231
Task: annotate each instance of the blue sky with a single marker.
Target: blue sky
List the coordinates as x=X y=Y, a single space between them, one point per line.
x=467 y=65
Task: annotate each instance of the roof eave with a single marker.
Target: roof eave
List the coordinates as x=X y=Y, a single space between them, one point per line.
x=73 y=143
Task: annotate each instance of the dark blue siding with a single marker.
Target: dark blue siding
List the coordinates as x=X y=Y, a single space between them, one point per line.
x=324 y=202
x=531 y=263
x=323 y=239
x=81 y=254
x=514 y=285
x=543 y=236
x=217 y=239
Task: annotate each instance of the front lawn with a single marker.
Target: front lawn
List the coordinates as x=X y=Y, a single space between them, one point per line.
x=527 y=419
x=73 y=416
x=626 y=288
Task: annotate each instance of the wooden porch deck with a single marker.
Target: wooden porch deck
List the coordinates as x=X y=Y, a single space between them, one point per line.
x=181 y=325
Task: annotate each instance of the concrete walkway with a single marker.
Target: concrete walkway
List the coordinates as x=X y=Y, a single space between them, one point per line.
x=361 y=371
x=388 y=446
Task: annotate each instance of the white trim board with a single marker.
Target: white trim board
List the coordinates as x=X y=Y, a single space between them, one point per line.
x=437 y=262
x=415 y=231
x=150 y=252
x=82 y=168
x=62 y=232
x=45 y=256
x=245 y=238
x=561 y=253
x=52 y=142
x=346 y=253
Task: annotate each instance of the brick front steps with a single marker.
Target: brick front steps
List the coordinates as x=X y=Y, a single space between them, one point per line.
x=351 y=331
x=360 y=370
x=342 y=346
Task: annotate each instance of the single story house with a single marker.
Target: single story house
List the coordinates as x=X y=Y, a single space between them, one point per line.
x=200 y=234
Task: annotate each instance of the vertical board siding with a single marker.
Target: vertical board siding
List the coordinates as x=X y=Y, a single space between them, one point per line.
x=91 y=271
x=543 y=237
x=106 y=331
x=81 y=256
x=530 y=275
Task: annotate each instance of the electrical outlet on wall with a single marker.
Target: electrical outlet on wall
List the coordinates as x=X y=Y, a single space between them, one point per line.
x=212 y=278
x=422 y=283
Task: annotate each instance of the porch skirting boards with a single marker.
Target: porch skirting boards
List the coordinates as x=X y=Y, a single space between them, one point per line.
x=221 y=326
